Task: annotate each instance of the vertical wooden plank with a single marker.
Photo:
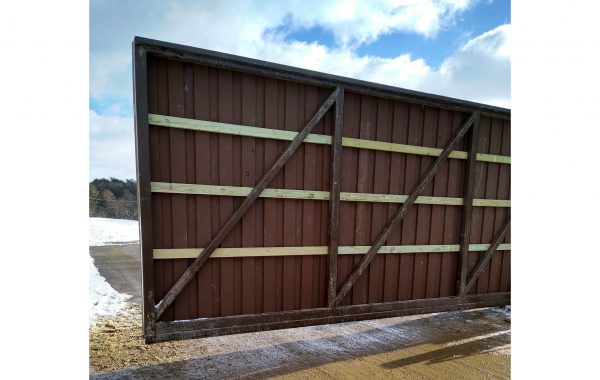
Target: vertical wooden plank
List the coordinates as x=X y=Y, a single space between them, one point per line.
x=479 y=192
x=298 y=161
x=190 y=177
x=280 y=184
x=225 y=80
x=396 y=174
x=317 y=171
x=424 y=211
x=259 y=208
x=236 y=232
x=438 y=212
x=270 y=205
x=328 y=126
x=349 y=183
x=494 y=266
x=448 y=281
x=178 y=173
x=380 y=186
x=487 y=227
x=289 y=216
x=215 y=208
x=469 y=216
x=203 y=207
x=248 y=179
x=165 y=171
x=411 y=175
x=308 y=212
x=360 y=291
x=504 y=193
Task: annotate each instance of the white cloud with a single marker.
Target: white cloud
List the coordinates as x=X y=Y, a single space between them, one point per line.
x=251 y=28
x=478 y=71
x=112 y=146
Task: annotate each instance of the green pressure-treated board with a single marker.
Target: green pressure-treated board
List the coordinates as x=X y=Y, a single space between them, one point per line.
x=239 y=191
x=276 y=134
x=191 y=253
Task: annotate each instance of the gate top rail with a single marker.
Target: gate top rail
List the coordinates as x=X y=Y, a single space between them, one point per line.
x=279 y=71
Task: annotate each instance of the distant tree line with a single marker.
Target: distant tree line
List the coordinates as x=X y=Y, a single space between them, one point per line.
x=113 y=198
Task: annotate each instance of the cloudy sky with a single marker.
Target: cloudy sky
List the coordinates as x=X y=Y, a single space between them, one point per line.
x=457 y=48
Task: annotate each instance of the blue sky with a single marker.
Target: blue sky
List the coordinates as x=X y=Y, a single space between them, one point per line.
x=458 y=48
x=480 y=18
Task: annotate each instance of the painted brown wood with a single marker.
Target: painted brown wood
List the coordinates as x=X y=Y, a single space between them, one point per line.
x=360 y=291
x=420 y=269
x=202 y=174
x=483 y=261
x=224 y=287
x=396 y=186
x=307 y=267
x=438 y=213
x=467 y=210
x=248 y=178
x=262 y=184
x=334 y=201
x=298 y=318
x=491 y=271
x=423 y=182
x=379 y=216
x=166 y=228
x=262 y=68
x=409 y=223
x=504 y=190
x=144 y=172
x=213 y=99
x=270 y=205
x=289 y=205
x=190 y=177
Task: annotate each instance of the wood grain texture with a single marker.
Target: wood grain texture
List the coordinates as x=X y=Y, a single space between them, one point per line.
x=244 y=282
x=467 y=210
x=277 y=134
x=479 y=267
x=419 y=188
x=334 y=199
x=240 y=211
x=241 y=191
x=185 y=253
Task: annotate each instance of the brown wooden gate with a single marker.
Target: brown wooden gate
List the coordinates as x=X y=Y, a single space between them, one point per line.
x=274 y=197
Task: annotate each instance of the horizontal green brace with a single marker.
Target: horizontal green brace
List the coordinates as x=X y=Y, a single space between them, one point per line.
x=191 y=253
x=239 y=191
x=277 y=134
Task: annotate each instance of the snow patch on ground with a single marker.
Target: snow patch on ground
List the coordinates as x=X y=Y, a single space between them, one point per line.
x=105 y=231
x=104 y=300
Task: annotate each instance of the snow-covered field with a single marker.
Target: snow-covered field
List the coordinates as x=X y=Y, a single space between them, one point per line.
x=105 y=301
x=105 y=231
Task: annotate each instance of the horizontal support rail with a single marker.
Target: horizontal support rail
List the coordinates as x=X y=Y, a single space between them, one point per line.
x=192 y=253
x=277 y=134
x=235 y=324
x=240 y=191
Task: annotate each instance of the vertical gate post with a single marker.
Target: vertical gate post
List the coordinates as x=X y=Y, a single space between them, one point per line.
x=334 y=199
x=465 y=219
x=142 y=158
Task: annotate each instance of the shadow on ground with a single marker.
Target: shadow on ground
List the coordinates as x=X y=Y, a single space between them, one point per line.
x=421 y=346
